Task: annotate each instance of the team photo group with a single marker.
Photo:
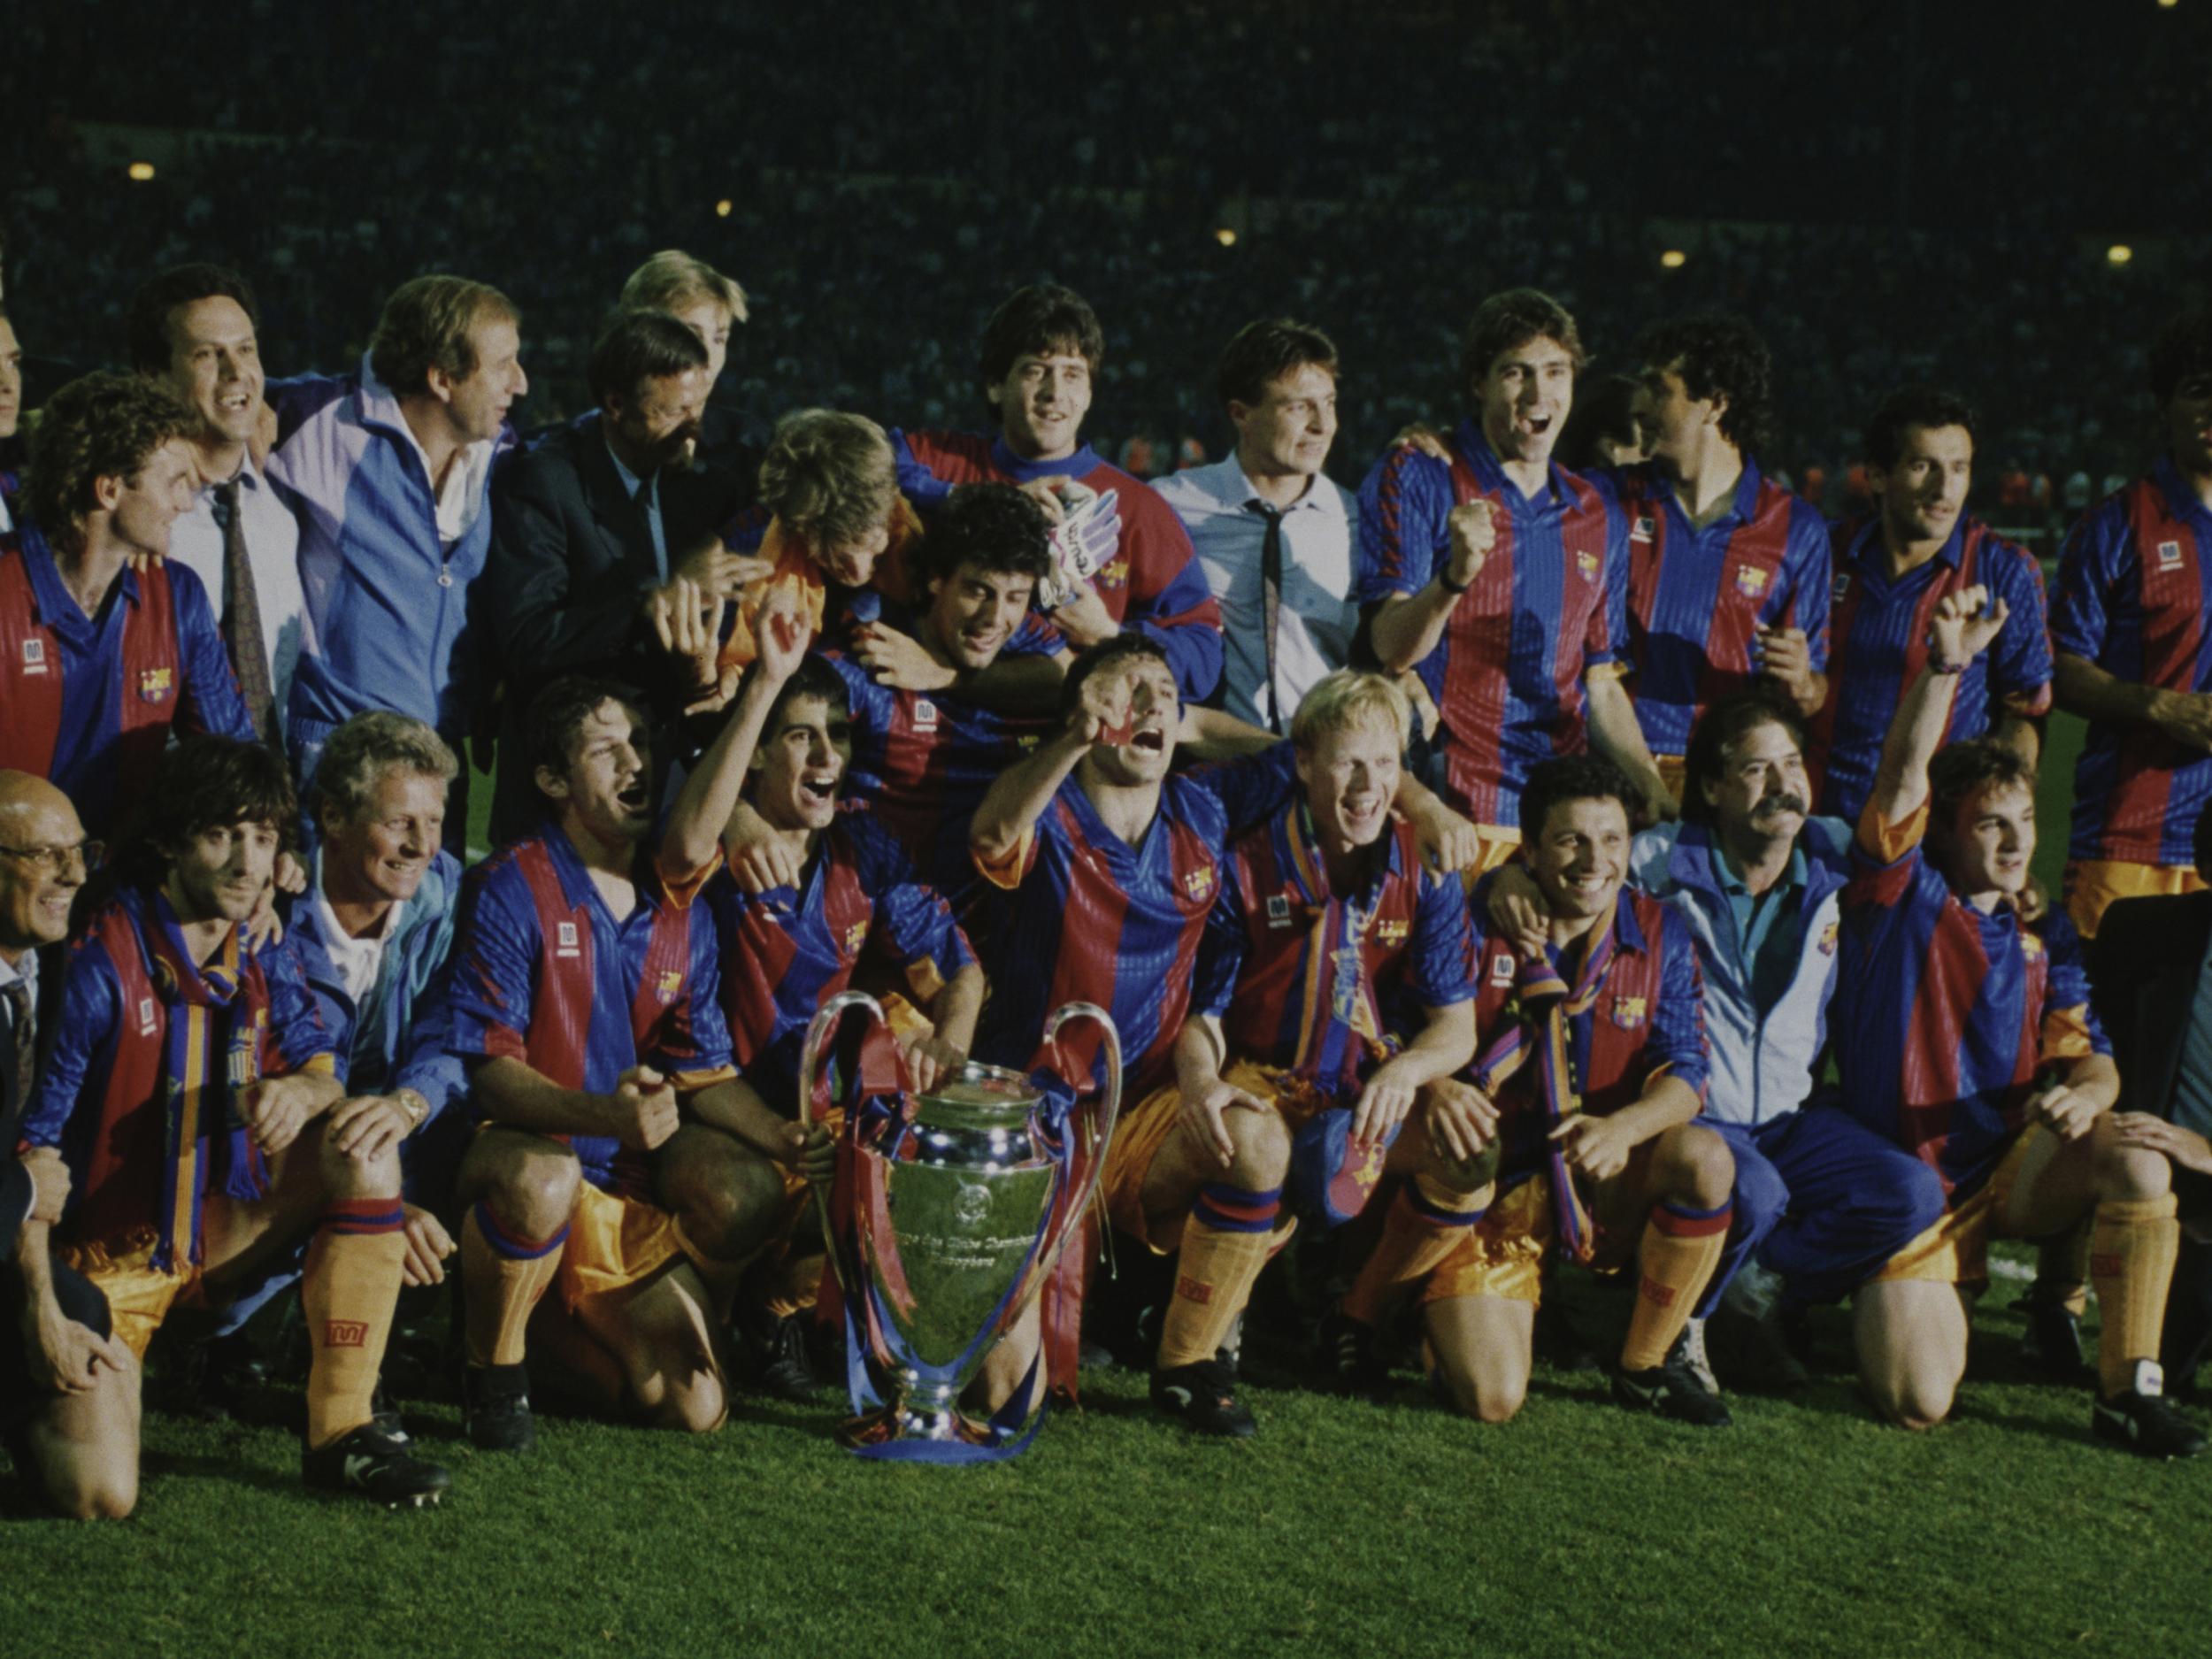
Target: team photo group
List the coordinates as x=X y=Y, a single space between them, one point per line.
x=1570 y=851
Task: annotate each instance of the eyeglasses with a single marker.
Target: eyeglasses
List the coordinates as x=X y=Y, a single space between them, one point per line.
x=51 y=861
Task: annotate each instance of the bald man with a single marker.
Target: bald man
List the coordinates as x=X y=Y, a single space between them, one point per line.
x=55 y=1336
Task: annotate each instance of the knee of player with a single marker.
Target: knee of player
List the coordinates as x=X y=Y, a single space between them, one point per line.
x=98 y=1499
x=700 y=1409
x=359 y=1173
x=2133 y=1172
x=743 y=1195
x=1914 y=1402
x=1263 y=1150
x=1487 y=1395
x=1496 y=1400
x=535 y=1196
x=1913 y=1416
x=1703 y=1167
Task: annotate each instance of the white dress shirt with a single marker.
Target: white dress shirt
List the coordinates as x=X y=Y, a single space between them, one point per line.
x=1313 y=627
x=272 y=544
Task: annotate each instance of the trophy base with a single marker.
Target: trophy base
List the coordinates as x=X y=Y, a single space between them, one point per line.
x=889 y=1424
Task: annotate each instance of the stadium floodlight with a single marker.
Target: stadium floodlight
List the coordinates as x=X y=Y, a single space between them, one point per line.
x=1227 y=237
x=2168 y=6
x=722 y=209
x=140 y=172
x=1674 y=258
x=2119 y=253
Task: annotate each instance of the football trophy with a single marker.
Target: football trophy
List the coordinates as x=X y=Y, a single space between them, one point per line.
x=950 y=1209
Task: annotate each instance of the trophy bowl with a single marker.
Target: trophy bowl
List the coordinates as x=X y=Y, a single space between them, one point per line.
x=952 y=1208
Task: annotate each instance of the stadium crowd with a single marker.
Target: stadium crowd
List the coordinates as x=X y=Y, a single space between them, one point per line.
x=1571 y=846
x=1173 y=123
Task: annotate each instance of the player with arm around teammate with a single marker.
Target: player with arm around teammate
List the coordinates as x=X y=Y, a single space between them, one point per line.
x=1572 y=1131
x=1302 y=1056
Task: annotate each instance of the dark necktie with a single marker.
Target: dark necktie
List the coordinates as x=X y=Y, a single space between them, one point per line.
x=241 y=616
x=18 y=997
x=1271 y=599
x=643 y=500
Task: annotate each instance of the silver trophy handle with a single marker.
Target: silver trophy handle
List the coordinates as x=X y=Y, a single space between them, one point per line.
x=819 y=1031
x=1107 y=1114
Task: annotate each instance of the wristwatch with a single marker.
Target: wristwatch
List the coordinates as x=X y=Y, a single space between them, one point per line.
x=414 y=1105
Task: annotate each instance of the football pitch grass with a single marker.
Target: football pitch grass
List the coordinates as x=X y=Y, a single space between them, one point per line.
x=1342 y=1528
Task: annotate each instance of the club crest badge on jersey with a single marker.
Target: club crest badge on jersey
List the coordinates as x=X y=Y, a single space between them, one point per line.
x=1647 y=527
x=2031 y=945
x=564 y=940
x=1112 y=574
x=1628 y=1012
x=156 y=684
x=34 y=657
x=1199 y=883
x=1278 y=909
x=1502 y=970
x=1586 y=562
x=856 y=936
x=925 y=714
x=2169 y=556
x=1828 y=939
x=1751 y=581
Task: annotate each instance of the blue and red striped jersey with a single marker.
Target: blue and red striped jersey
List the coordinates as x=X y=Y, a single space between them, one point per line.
x=2134 y=592
x=1154 y=585
x=1323 y=984
x=1943 y=1017
x=1084 y=916
x=107 y=1096
x=542 y=972
x=91 y=700
x=923 y=760
x=1878 y=642
x=1647 y=1017
x=1698 y=596
x=791 y=949
x=1550 y=605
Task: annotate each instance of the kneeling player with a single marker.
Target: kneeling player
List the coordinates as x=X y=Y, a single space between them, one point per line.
x=1592 y=1065
x=797 y=944
x=189 y=1088
x=1327 y=920
x=584 y=999
x=1964 y=1034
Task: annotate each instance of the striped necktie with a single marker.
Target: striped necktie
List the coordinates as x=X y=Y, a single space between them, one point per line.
x=242 y=633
